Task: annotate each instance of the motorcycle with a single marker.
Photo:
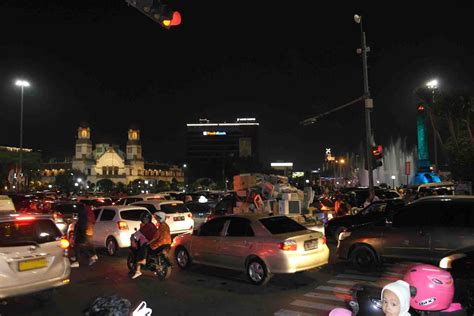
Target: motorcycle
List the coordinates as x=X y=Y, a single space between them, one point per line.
x=158 y=263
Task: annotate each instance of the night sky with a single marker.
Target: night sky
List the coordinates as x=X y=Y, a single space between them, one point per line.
x=105 y=63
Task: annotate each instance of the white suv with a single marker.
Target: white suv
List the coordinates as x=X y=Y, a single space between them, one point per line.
x=33 y=256
x=178 y=217
x=114 y=226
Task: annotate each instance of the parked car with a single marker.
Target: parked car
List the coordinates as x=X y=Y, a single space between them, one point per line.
x=200 y=212
x=114 y=226
x=260 y=245
x=422 y=231
x=142 y=197
x=358 y=196
x=372 y=213
x=460 y=263
x=32 y=256
x=6 y=205
x=178 y=217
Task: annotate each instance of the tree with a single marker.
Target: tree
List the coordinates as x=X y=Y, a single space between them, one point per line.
x=66 y=181
x=451 y=115
x=105 y=185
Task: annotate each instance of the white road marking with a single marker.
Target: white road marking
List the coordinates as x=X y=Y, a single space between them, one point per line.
x=344 y=290
x=288 y=312
x=324 y=296
x=319 y=306
x=357 y=277
x=343 y=282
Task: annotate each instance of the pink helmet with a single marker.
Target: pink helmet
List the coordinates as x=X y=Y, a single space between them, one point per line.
x=432 y=288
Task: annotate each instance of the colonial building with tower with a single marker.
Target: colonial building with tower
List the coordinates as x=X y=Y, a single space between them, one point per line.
x=108 y=161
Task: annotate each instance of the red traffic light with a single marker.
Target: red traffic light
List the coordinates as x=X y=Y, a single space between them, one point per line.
x=421 y=107
x=377 y=150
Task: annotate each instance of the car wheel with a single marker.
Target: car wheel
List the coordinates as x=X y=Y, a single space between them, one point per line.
x=338 y=231
x=182 y=258
x=257 y=272
x=112 y=246
x=364 y=258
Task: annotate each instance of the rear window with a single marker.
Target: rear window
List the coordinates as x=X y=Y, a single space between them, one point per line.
x=28 y=232
x=281 y=225
x=173 y=208
x=67 y=208
x=132 y=215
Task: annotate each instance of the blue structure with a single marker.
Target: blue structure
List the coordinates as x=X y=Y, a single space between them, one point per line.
x=424 y=173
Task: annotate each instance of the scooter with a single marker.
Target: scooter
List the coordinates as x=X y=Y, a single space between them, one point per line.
x=158 y=263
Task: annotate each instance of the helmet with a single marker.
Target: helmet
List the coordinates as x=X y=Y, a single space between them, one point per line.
x=432 y=288
x=145 y=218
x=161 y=216
x=366 y=300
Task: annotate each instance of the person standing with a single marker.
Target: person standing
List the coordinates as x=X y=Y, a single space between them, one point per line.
x=83 y=233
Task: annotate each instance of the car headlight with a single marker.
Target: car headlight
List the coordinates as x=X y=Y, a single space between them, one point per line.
x=344 y=235
x=446 y=262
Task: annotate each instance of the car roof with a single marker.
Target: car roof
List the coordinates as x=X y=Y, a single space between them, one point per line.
x=436 y=184
x=158 y=202
x=122 y=207
x=252 y=216
x=144 y=195
x=13 y=216
x=469 y=198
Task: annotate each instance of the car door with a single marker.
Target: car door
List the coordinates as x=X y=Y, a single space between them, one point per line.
x=455 y=229
x=408 y=236
x=104 y=227
x=205 y=245
x=237 y=243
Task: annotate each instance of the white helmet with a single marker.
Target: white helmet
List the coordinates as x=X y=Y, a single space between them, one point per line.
x=161 y=216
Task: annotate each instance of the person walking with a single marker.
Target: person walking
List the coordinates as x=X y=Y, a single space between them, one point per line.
x=83 y=233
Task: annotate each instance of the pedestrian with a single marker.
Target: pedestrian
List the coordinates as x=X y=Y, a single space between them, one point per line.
x=371 y=198
x=83 y=233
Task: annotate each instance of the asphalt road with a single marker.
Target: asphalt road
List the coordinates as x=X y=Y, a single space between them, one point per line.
x=199 y=290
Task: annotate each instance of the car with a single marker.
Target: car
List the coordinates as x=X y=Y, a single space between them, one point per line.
x=6 y=205
x=33 y=256
x=65 y=213
x=125 y=200
x=259 y=244
x=460 y=263
x=94 y=201
x=200 y=212
x=369 y=214
x=178 y=217
x=357 y=196
x=113 y=227
x=422 y=231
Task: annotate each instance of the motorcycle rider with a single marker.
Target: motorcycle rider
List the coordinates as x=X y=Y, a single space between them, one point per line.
x=147 y=229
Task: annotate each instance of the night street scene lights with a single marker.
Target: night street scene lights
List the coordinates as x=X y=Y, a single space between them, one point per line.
x=19 y=177
x=433 y=86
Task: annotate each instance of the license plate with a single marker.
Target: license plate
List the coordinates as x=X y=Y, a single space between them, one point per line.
x=179 y=218
x=32 y=264
x=311 y=244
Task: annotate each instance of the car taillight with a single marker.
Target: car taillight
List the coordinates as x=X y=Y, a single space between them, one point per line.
x=122 y=225
x=324 y=240
x=288 y=245
x=190 y=215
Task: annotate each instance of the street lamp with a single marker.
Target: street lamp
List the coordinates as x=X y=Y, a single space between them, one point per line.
x=433 y=85
x=368 y=102
x=22 y=84
x=393 y=181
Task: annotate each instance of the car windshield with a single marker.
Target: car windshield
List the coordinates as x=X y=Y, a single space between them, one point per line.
x=27 y=232
x=281 y=225
x=173 y=208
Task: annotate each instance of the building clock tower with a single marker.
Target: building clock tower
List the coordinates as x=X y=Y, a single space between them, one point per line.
x=134 y=153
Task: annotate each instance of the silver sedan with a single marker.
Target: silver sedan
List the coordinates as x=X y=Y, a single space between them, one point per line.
x=260 y=245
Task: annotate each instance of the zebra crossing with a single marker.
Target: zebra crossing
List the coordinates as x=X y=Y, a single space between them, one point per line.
x=337 y=291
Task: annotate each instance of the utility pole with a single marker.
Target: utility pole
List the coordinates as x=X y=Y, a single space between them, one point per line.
x=368 y=102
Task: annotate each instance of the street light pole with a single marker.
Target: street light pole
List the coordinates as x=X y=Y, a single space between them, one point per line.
x=22 y=84
x=433 y=85
x=368 y=103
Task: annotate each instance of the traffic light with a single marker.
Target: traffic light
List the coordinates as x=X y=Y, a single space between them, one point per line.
x=376 y=156
x=157 y=11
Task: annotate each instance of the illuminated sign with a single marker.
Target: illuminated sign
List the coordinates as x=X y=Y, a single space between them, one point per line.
x=213 y=133
x=281 y=164
x=297 y=174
